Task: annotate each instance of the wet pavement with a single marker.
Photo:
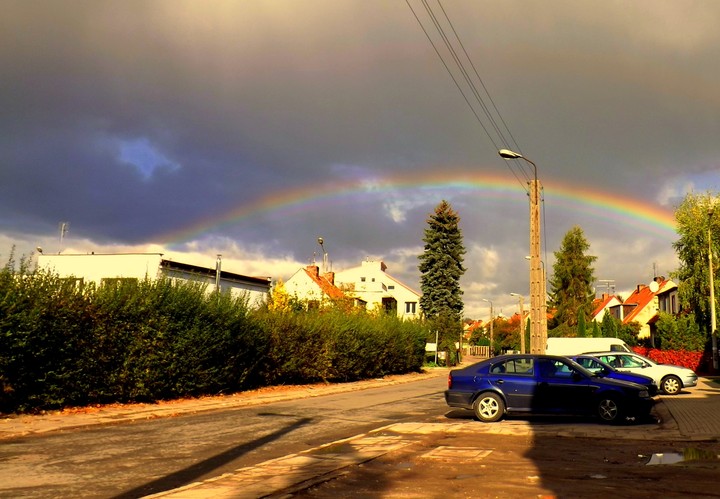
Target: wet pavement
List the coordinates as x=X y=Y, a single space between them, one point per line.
x=687 y=417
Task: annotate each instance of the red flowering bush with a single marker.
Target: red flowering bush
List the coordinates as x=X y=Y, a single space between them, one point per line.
x=699 y=362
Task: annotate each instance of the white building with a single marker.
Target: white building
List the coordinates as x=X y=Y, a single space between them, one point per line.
x=105 y=268
x=314 y=288
x=370 y=283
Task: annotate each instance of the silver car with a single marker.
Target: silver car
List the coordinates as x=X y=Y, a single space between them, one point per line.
x=670 y=379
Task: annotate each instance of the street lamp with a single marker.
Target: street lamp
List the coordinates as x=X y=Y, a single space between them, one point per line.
x=321 y=242
x=713 y=320
x=522 y=321
x=538 y=319
x=491 y=326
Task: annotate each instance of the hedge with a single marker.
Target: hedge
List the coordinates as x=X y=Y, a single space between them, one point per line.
x=67 y=345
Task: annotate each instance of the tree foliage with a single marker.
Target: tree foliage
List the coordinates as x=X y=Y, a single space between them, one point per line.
x=679 y=333
x=694 y=226
x=609 y=326
x=571 y=291
x=441 y=264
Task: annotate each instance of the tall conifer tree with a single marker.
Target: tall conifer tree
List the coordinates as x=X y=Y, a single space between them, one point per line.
x=441 y=265
x=571 y=289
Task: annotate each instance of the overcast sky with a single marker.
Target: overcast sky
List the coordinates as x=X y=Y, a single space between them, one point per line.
x=250 y=128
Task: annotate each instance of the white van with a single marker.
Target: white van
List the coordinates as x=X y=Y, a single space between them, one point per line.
x=576 y=346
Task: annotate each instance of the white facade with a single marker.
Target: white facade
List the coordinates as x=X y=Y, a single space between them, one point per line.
x=370 y=283
x=312 y=287
x=100 y=268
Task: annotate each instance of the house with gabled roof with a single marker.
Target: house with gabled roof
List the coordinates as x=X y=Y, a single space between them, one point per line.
x=316 y=289
x=379 y=290
x=602 y=305
x=645 y=303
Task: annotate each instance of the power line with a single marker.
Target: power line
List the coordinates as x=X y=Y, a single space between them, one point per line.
x=499 y=137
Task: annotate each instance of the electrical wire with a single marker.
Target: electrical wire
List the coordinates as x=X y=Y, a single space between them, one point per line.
x=517 y=168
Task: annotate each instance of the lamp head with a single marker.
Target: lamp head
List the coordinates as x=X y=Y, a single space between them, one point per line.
x=508 y=154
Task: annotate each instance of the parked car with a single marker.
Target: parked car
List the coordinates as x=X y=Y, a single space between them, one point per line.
x=542 y=384
x=577 y=346
x=670 y=379
x=600 y=368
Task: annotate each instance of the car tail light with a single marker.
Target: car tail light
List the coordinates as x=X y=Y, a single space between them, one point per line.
x=449 y=381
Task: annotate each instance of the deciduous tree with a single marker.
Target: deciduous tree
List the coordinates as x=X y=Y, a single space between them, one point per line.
x=696 y=218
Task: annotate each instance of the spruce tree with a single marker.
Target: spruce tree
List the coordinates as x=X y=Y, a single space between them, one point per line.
x=571 y=291
x=441 y=264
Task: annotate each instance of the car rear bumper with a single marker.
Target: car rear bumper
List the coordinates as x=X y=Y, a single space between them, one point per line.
x=455 y=398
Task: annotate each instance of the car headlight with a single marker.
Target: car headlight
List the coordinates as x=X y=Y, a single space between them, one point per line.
x=643 y=394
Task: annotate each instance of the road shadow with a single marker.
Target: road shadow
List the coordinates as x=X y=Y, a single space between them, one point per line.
x=192 y=473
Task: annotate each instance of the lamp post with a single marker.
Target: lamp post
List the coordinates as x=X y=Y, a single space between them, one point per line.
x=538 y=319
x=491 y=326
x=522 y=321
x=321 y=242
x=713 y=320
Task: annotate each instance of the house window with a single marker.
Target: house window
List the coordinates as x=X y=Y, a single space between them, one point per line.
x=362 y=279
x=410 y=307
x=72 y=282
x=391 y=287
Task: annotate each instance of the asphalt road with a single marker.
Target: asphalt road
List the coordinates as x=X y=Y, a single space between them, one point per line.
x=143 y=457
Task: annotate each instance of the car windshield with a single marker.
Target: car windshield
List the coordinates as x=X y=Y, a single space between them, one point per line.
x=580 y=368
x=593 y=365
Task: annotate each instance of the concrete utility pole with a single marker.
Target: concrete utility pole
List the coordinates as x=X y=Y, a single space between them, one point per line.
x=713 y=319
x=538 y=302
x=492 y=320
x=522 y=321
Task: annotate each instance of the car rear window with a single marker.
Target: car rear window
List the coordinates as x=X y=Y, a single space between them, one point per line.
x=513 y=366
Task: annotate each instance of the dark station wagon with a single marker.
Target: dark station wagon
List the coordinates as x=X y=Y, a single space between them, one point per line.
x=543 y=384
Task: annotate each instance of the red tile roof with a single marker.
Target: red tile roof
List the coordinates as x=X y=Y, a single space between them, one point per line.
x=642 y=297
x=325 y=282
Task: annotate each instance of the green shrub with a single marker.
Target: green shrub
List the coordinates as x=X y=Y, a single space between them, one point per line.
x=63 y=344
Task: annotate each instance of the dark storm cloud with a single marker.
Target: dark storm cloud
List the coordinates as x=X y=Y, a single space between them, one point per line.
x=242 y=100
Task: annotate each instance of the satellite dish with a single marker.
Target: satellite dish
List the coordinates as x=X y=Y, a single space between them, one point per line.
x=654 y=286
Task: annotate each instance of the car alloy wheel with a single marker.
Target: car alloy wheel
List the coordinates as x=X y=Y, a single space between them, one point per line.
x=671 y=385
x=489 y=407
x=608 y=410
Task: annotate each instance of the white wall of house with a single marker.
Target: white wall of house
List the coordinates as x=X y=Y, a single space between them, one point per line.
x=370 y=283
x=303 y=287
x=99 y=267
x=92 y=267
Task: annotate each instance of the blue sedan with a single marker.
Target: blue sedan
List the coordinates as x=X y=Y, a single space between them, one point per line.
x=542 y=384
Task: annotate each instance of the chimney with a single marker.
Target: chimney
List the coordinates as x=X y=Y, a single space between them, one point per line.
x=330 y=276
x=314 y=270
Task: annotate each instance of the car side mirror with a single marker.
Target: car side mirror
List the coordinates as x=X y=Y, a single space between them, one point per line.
x=576 y=376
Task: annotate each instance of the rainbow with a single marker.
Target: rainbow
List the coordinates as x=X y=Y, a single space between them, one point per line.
x=609 y=207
